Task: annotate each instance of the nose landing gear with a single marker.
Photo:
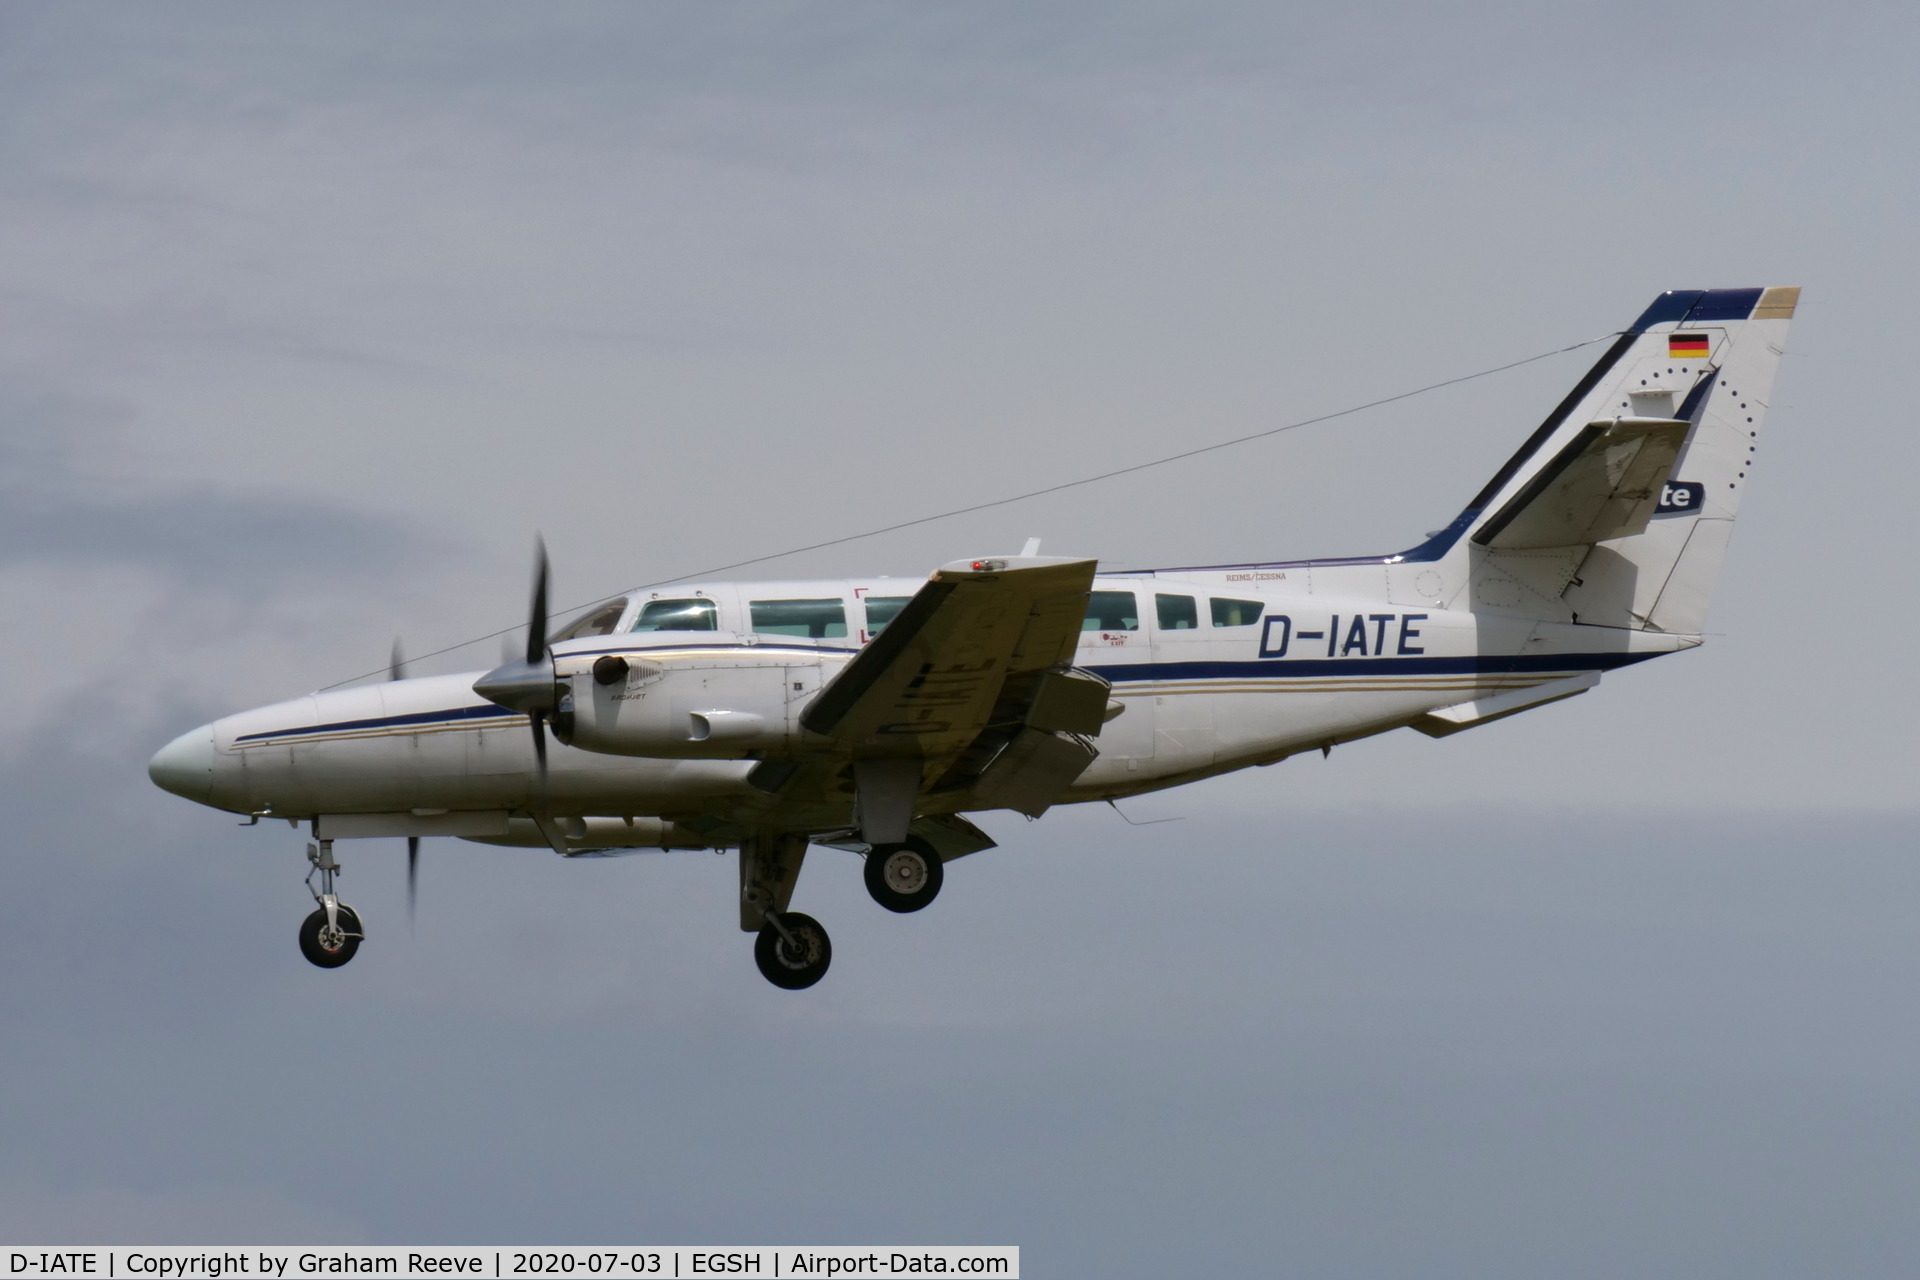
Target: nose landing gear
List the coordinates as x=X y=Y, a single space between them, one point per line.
x=793 y=951
x=330 y=936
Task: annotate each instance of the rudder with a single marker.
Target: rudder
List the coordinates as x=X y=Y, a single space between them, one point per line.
x=1618 y=510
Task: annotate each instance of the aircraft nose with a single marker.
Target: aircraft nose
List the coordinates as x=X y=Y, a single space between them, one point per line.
x=185 y=765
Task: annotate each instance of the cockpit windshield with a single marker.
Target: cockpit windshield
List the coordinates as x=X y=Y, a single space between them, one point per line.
x=597 y=621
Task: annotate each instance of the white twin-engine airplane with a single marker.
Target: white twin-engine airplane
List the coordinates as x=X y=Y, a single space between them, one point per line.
x=863 y=716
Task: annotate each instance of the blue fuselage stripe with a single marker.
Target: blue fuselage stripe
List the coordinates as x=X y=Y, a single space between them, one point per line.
x=1320 y=668
x=486 y=711
x=1132 y=673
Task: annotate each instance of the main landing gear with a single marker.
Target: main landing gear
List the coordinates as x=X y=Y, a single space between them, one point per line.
x=904 y=877
x=791 y=948
x=331 y=935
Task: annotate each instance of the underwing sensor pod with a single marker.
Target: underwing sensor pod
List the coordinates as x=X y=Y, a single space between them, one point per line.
x=878 y=717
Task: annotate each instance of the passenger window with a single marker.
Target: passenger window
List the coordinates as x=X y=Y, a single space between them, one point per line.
x=678 y=615
x=1111 y=611
x=881 y=610
x=816 y=619
x=1237 y=613
x=1177 y=613
x=598 y=621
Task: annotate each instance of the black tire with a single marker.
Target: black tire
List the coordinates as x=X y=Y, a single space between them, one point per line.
x=780 y=966
x=310 y=938
x=904 y=877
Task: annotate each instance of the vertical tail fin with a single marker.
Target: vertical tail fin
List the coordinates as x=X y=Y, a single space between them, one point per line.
x=1618 y=510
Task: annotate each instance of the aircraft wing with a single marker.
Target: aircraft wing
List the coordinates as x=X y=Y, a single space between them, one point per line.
x=932 y=676
x=973 y=674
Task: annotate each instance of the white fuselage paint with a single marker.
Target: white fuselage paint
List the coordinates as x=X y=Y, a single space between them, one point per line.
x=1333 y=652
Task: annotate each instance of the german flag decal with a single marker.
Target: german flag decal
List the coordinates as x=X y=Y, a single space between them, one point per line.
x=1686 y=346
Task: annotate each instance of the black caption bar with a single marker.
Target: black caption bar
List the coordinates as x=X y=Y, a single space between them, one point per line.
x=683 y=1262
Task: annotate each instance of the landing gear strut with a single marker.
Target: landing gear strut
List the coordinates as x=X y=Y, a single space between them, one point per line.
x=792 y=949
x=904 y=877
x=330 y=936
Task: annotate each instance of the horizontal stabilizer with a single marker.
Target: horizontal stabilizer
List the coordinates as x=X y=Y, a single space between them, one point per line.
x=1604 y=484
x=1468 y=715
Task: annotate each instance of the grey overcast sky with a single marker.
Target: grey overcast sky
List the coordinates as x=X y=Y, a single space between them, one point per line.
x=311 y=317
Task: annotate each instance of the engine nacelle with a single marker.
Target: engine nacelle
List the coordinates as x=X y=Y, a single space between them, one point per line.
x=692 y=704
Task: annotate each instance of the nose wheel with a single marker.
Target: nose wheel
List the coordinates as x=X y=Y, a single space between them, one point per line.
x=793 y=951
x=330 y=943
x=329 y=936
x=904 y=877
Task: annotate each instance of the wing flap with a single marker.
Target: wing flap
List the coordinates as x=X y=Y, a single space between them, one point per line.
x=1033 y=771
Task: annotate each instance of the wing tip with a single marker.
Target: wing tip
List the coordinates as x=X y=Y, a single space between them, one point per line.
x=1009 y=564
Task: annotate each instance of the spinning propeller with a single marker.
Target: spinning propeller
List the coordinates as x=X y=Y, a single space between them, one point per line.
x=397 y=670
x=528 y=686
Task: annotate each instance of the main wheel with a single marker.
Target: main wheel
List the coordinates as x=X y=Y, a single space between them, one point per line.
x=904 y=877
x=330 y=948
x=798 y=966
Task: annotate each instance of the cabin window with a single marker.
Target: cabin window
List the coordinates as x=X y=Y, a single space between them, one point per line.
x=1176 y=613
x=881 y=610
x=597 y=621
x=1236 y=613
x=1111 y=611
x=678 y=615
x=815 y=619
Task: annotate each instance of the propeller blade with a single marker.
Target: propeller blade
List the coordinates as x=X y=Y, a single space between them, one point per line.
x=537 y=623
x=528 y=687
x=396 y=665
x=537 y=651
x=413 y=874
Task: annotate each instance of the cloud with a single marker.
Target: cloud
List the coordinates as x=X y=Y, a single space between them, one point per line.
x=67 y=500
x=134 y=598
